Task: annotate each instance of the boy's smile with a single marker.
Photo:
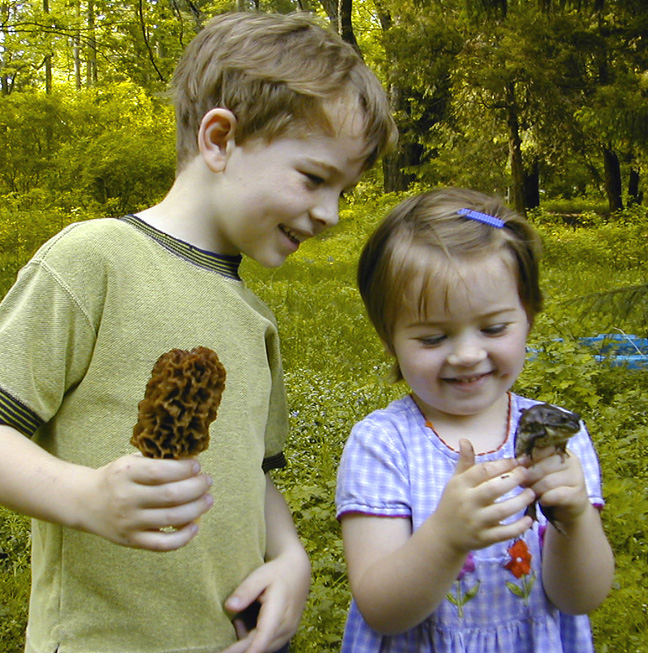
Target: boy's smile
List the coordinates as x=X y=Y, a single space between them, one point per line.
x=464 y=354
x=272 y=196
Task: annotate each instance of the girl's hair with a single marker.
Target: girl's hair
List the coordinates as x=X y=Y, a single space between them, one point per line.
x=424 y=240
x=274 y=73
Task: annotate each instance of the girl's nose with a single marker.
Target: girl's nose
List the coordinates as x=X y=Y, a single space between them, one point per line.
x=467 y=352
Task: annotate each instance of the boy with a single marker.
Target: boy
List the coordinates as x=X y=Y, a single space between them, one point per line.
x=276 y=117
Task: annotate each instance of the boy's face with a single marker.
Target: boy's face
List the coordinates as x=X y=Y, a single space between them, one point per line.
x=272 y=196
x=464 y=354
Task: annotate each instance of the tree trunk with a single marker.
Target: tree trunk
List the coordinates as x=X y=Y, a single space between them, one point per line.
x=635 y=196
x=76 y=49
x=345 y=28
x=331 y=9
x=48 y=58
x=613 y=188
x=515 y=151
x=394 y=165
x=532 y=186
x=91 y=63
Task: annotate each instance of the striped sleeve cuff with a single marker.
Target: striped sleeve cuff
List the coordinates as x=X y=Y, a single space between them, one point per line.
x=15 y=414
x=274 y=462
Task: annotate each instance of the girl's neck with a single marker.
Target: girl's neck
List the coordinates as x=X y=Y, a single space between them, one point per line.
x=487 y=430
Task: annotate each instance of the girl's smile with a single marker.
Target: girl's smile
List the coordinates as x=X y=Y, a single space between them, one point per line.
x=462 y=356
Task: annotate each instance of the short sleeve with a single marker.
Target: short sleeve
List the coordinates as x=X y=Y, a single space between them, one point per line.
x=373 y=475
x=581 y=445
x=46 y=341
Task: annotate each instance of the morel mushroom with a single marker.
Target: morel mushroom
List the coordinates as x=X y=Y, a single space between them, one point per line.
x=180 y=402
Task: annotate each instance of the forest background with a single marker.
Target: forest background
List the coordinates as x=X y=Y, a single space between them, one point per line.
x=544 y=102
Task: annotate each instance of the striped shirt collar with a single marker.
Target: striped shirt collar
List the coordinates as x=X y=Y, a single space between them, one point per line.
x=228 y=266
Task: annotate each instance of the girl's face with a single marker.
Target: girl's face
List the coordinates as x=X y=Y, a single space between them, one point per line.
x=464 y=354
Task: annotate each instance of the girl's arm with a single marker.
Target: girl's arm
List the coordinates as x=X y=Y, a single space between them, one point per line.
x=398 y=577
x=578 y=567
x=280 y=586
x=578 y=570
x=127 y=501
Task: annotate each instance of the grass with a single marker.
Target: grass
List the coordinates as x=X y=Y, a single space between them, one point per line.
x=335 y=371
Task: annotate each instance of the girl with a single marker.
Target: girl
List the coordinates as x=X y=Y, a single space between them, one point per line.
x=441 y=556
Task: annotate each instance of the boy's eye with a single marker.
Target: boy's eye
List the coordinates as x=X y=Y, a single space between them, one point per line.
x=316 y=180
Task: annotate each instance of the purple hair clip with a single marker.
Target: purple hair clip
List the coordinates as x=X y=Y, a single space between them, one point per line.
x=482 y=217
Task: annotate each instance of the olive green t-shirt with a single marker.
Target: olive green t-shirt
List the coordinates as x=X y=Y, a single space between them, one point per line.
x=79 y=334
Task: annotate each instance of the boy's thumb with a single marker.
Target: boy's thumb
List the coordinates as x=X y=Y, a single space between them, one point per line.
x=466 y=456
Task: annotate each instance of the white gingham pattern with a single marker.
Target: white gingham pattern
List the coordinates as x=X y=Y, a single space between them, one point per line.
x=395 y=466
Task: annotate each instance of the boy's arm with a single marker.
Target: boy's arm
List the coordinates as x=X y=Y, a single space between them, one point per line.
x=280 y=585
x=127 y=501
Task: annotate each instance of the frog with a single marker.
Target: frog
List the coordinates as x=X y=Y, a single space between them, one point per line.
x=545 y=425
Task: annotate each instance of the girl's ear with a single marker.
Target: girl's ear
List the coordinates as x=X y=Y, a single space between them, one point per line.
x=216 y=138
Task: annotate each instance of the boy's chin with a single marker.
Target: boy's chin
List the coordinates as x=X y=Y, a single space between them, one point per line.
x=270 y=262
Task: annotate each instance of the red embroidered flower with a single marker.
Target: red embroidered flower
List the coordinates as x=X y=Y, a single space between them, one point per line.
x=520 y=563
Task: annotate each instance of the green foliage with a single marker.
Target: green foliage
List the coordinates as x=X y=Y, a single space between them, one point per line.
x=335 y=371
x=110 y=148
x=14 y=580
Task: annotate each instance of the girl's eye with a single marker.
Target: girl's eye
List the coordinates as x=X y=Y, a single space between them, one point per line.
x=495 y=330
x=431 y=341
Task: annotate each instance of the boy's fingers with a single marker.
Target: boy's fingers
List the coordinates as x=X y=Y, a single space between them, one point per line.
x=176 y=493
x=155 y=519
x=150 y=471
x=160 y=541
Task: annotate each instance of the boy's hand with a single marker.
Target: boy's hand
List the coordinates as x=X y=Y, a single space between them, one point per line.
x=130 y=500
x=559 y=483
x=279 y=589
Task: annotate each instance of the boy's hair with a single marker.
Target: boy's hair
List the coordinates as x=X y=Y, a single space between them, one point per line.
x=424 y=240
x=272 y=71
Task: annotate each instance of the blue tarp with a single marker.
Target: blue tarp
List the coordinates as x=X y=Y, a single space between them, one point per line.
x=614 y=349
x=619 y=349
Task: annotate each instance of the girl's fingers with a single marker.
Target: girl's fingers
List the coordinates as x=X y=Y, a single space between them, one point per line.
x=504 y=532
x=503 y=510
x=498 y=470
x=466 y=456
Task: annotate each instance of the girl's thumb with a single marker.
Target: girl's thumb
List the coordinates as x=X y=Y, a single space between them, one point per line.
x=466 y=456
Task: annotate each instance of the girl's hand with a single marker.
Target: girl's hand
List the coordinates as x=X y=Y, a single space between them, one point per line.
x=144 y=503
x=558 y=483
x=471 y=512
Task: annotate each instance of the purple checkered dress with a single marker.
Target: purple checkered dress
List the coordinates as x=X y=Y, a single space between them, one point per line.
x=394 y=465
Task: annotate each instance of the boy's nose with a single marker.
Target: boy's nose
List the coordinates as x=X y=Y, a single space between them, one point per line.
x=326 y=213
x=467 y=353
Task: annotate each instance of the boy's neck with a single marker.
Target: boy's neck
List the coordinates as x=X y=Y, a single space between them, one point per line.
x=183 y=213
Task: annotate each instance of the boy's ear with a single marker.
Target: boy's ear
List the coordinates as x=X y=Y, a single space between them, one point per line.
x=216 y=137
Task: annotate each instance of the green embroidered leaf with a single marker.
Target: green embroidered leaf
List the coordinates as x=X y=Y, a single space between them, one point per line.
x=452 y=599
x=515 y=589
x=471 y=593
